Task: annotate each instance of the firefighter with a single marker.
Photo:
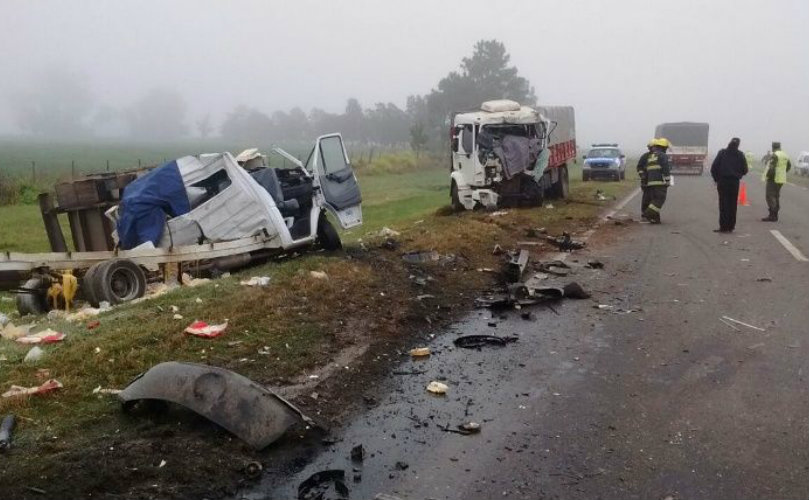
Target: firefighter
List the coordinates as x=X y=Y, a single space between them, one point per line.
x=654 y=168
x=644 y=201
x=775 y=176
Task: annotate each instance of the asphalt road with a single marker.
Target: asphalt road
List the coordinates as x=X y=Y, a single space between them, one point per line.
x=650 y=397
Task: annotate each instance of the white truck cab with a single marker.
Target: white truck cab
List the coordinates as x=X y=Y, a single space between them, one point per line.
x=501 y=156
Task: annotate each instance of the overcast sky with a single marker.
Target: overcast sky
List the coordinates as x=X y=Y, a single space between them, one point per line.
x=625 y=65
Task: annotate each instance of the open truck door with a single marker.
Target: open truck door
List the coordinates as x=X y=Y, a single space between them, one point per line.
x=338 y=185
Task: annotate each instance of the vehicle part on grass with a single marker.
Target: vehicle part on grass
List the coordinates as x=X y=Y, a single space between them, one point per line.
x=437 y=387
x=478 y=341
x=47 y=336
x=358 y=453
x=575 y=291
x=34 y=355
x=204 y=330
x=252 y=412
x=32 y=297
x=421 y=257
x=114 y=281
x=594 y=264
x=256 y=281
x=324 y=485
x=728 y=318
x=6 y=428
x=516 y=266
x=565 y=243
x=420 y=351
x=47 y=386
x=13 y=332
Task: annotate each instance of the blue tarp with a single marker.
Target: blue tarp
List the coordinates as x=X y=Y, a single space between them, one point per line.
x=148 y=202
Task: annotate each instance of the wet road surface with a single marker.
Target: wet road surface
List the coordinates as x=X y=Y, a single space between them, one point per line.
x=651 y=397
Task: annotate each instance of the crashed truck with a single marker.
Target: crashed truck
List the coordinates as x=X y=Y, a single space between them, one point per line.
x=507 y=155
x=689 y=146
x=197 y=214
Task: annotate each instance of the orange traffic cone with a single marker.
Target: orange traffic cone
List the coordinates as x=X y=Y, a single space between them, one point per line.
x=743 y=195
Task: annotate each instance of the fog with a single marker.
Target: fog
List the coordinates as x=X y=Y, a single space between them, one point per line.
x=742 y=66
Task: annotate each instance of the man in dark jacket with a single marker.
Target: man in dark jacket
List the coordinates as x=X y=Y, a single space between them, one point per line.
x=727 y=169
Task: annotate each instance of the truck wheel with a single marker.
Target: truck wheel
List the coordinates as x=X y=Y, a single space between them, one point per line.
x=327 y=236
x=116 y=281
x=454 y=198
x=33 y=299
x=562 y=187
x=86 y=286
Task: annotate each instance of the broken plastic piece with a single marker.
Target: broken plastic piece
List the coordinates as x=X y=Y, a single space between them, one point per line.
x=358 y=453
x=320 y=275
x=44 y=337
x=47 y=386
x=575 y=291
x=420 y=351
x=437 y=387
x=34 y=355
x=256 y=281
x=565 y=243
x=203 y=329
x=253 y=413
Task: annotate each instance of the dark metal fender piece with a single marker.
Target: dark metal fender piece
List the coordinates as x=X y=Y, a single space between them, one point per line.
x=253 y=413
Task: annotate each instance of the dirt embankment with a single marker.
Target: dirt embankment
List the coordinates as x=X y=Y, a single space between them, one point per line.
x=322 y=341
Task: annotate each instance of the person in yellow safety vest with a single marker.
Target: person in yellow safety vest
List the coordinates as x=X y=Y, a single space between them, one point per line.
x=655 y=169
x=775 y=176
x=644 y=201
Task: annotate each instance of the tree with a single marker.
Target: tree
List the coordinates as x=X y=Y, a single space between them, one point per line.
x=247 y=125
x=159 y=115
x=57 y=104
x=204 y=126
x=418 y=138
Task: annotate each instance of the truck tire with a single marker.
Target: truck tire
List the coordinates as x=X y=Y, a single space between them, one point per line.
x=561 y=189
x=454 y=198
x=86 y=286
x=34 y=298
x=327 y=236
x=116 y=281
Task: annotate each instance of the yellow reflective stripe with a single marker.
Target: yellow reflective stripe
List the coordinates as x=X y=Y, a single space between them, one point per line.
x=652 y=207
x=657 y=183
x=653 y=167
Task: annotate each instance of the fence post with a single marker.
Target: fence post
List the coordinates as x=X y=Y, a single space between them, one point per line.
x=138 y=162
x=33 y=172
x=72 y=169
x=108 y=165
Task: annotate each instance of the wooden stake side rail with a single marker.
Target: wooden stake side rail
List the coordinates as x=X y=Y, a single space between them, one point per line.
x=14 y=261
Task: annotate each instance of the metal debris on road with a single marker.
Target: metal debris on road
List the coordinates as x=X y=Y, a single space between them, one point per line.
x=516 y=266
x=565 y=243
x=594 y=264
x=420 y=351
x=358 y=453
x=478 y=341
x=743 y=323
x=575 y=291
x=324 y=485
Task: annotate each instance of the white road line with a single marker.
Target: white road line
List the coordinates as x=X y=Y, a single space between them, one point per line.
x=620 y=206
x=789 y=246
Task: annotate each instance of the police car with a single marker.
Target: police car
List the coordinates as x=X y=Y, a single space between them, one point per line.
x=605 y=161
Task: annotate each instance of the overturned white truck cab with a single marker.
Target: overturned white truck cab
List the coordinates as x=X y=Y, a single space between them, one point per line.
x=510 y=155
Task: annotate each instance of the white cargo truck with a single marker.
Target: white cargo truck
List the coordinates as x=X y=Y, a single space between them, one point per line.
x=506 y=154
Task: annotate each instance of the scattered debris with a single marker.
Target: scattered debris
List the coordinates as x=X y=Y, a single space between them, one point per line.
x=256 y=281
x=177 y=316
x=387 y=232
x=498 y=250
x=565 y=243
x=594 y=264
x=385 y=496
x=437 y=387
x=498 y=213
x=34 y=355
x=92 y=325
x=555 y=267
x=253 y=469
x=420 y=351
x=420 y=257
x=743 y=323
x=12 y=332
x=549 y=292
x=219 y=395
x=763 y=279
x=575 y=291
x=319 y=275
x=188 y=280
x=204 y=330
x=402 y=465
x=44 y=337
x=99 y=390
x=324 y=485
x=469 y=427
x=3 y=320
x=478 y=341
x=516 y=266
x=358 y=453
x=6 y=428
x=599 y=195
x=47 y=386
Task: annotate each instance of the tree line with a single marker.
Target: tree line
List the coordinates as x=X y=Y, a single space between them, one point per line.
x=60 y=106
